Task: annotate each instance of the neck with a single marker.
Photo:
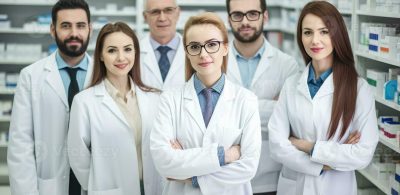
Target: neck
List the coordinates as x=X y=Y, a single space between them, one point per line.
x=122 y=84
x=209 y=80
x=72 y=61
x=163 y=40
x=248 y=50
x=320 y=66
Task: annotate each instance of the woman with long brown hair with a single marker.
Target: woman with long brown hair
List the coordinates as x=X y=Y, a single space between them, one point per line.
x=324 y=125
x=108 y=138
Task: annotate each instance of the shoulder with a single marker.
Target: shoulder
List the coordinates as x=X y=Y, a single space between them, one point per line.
x=241 y=92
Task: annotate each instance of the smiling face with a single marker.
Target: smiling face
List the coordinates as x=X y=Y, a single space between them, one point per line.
x=207 y=65
x=162 y=24
x=316 y=39
x=118 y=55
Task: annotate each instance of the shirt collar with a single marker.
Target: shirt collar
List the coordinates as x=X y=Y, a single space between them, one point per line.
x=83 y=64
x=323 y=77
x=257 y=55
x=217 y=87
x=173 y=44
x=114 y=91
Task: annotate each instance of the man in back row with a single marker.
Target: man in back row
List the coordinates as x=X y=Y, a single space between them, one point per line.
x=258 y=66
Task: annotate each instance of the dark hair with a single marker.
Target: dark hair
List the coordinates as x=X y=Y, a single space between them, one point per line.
x=69 y=4
x=99 y=68
x=204 y=18
x=263 y=6
x=344 y=72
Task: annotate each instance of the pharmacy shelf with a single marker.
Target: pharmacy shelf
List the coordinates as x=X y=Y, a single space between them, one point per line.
x=5 y=118
x=389 y=143
x=27 y=3
x=3 y=145
x=387 y=103
x=207 y=3
x=3 y=170
x=378 y=14
x=345 y=12
x=18 y=62
x=382 y=186
x=280 y=29
x=378 y=58
x=6 y=91
x=113 y=13
x=23 y=31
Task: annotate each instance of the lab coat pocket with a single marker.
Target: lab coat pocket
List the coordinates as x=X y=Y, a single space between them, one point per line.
x=56 y=185
x=115 y=191
x=231 y=136
x=287 y=182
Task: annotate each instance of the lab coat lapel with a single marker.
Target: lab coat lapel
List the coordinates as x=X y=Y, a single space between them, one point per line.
x=53 y=78
x=224 y=104
x=302 y=85
x=100 y=91
x=150 y=60
x=326 y=88
x=89 y=72
x=192 y=105
x=264 y=62
x=178 y=62
x=233 y=68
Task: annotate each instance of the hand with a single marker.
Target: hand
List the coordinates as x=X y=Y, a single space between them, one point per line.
x=183 y=181
x=353 y=138
x=302 y=144
x=232 y=154
x=175 y=144
x=326 y=168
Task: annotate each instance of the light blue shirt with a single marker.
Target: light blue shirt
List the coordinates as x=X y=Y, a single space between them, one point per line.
x=80 y=75
x=247 y=67
x=313 y=83
x=173 y=44
x=216 y=93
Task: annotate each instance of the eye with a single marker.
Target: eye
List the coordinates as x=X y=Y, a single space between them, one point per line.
x=65 y=26
x=212 y=44
x=128 y=49
x=253 y=13
x=169 y=10
x=155 y=12
x=307 y=32
x=195 y=47
x=81 y=25
x=324 y=32
x=111 y=50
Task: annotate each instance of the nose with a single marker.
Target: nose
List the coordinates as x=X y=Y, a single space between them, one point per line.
x=120 y=56
x=203 y=52
x=74 y=31
x=162 y=16
x=315 y=38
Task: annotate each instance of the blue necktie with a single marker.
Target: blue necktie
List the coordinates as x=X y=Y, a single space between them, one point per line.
x=163 y=62
x=209 y=107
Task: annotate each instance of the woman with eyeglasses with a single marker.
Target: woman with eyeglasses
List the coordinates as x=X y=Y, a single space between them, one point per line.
x=207 y=136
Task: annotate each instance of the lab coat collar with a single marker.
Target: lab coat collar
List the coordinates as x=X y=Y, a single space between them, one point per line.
x=325 y=89
x=101 y=92
x=54 y=79
x=192 y=105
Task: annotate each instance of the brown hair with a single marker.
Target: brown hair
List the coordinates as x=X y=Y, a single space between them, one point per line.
x=344 y=72
x=99 y=68
x=204 y=18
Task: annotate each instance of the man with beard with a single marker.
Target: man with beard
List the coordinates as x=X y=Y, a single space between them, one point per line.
x=255 y=64
x=37 y=157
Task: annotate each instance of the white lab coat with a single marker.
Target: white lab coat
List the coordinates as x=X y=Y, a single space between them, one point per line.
x=101 y=144
x=299 y=115
x=150 y=70
x=235 y=121
x=37 y=156
x=272 y=71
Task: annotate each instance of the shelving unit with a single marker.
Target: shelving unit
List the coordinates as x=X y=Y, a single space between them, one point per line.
x=384 y=187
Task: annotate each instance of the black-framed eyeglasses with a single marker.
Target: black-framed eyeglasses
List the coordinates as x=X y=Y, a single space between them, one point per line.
x=157 y=12
x=194 y=49
x=251 y=15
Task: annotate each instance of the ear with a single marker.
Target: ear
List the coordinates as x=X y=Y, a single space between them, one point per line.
x=265 y=16
x=225 y=48
x=53 y=30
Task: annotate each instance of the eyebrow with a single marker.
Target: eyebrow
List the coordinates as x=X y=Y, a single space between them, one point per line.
x=111 y=46
x=209 y=40
x=323 y=28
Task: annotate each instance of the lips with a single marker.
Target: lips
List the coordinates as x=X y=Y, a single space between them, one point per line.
x=204 y=64
x=316 y=50
x=121 y=66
